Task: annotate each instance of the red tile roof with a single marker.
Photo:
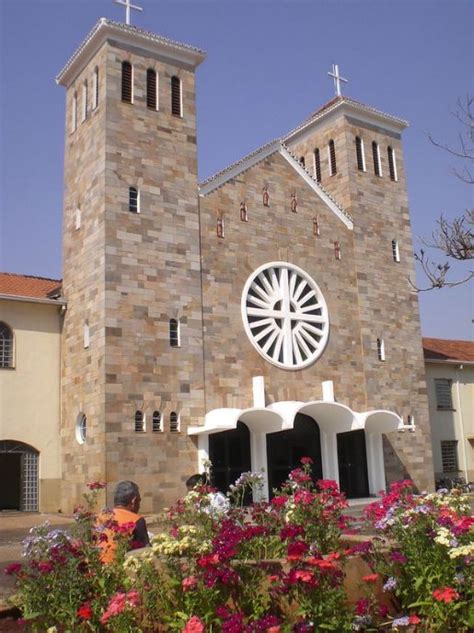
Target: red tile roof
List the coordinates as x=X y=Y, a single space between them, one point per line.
x=442 y=349
x=29 y=286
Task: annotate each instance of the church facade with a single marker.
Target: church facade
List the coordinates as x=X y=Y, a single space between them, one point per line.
x=255 y=318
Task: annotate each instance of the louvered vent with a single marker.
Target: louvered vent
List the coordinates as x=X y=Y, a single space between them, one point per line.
x=376 y=157
x=151 y=89
x=127 y=82
x=317 y=165
x=175 y=96
x=359 y=154
x=332 y=157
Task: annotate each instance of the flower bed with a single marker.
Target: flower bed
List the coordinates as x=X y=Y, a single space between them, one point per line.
x=278 y=567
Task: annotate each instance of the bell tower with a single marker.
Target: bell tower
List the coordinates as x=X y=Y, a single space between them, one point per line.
x=132 y=374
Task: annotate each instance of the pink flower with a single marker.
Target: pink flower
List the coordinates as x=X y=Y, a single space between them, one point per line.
x=327 y=484
x=304 y=576
x=119 y=602
x=274 y=629
x=96 y=485
x=306 y=460
x=194 y=625
x=370 y=578
x=279 y=501
x=13 y=569
x=189 y=583
x=362 y=606
x=414 y=619
x=445 y=594
x=45 y=567
x=296 y=550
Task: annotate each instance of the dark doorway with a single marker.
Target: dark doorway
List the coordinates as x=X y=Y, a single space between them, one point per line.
x=10 y=476
x=229 y=453
x=286 y=448
x=352 y=456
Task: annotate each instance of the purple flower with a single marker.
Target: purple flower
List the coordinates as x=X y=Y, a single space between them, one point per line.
x=403 y=621
x=390 y=584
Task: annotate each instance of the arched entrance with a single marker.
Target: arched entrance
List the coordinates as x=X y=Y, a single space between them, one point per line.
x=19 y=472
x=286 y=448
x=352 y=458
x=229 y=453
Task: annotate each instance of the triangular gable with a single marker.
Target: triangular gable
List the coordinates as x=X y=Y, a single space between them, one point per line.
x=249 y=161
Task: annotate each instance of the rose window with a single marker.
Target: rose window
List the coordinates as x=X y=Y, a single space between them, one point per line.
x=285 y=315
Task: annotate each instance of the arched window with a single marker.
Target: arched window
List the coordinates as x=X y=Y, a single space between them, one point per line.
x=6 y=346
x=317 y=165
x=74 y=113
x=95 y=88
x=156 y=422
x=174 y=333
x=139 y=422
x=380 y=349
x=127 y=82
x=81 y=428
x=360 y=154
x=376 y=157
x=84 y=101
x=176 y=100
x=151 y=90
x=133 y=200
x=174 y=422
x=332 y=158
x=395 y=251
x=392 y=165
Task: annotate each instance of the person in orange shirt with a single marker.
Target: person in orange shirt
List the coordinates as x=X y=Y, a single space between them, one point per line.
x=124 y=518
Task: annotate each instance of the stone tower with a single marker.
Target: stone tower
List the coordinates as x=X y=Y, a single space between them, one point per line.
x=132 y=373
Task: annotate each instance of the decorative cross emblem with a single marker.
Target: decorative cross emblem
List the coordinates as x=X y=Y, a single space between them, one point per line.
x=127 y=4
x=336 y=76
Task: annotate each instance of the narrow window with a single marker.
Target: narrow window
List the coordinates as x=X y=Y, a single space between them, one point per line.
x=380 y=349
x=156 y=422
x=395 y=251
x=265 y=196
x=133 y=200
x=392 y=164
x=127 y=82
x=95 y=88
x=220 y=227
x=376 y=157
x=175 y=333
x=77 y=219
x=337 y=250
x=139 y=422
x=243 y=212
x=6 y=346
x=443 y=390
x=449 y=456
x=294 y=203
x=74 y=113
x=86 y=334
x=360 y=154
x=317 y=165
x=81 y=428
x=174 y=422
x=316 y=227
x=176 y=102
x=84 y=101
x=151 y=92
x=302 y=161
x=332 y=158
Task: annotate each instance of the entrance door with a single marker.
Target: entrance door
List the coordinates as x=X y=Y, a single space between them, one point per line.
x=10 y=475
x=229 y=453
x=351 y=453
x=286 y=448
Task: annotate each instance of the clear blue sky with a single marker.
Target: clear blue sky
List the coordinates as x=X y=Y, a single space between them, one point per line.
x=265 y=71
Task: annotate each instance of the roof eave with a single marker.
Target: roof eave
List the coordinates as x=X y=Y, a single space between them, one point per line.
x=105 y=30
x=449 y=361
x=56 y=302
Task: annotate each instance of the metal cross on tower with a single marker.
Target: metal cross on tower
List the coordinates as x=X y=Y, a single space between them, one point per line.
x=127 y=4
x=336 y=76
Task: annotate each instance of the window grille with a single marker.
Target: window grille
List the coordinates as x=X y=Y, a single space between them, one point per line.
x=376 y=158
x=360 y=154
x=174 y=333
x=139 y=422
x=380 y=349
x=127 y=82
x=317 y=165
x=174 y=422
x=84 y=101
x=176 y=106
x=395 y=251
x=302 y=161
x=95 y=89
x=74 y=113
x=156 y=422
x=392 y=166
x=29 y=482
x=151 y=94
x=449 y=456
x=444 y=397
x=133 y=200
x=6 y=346
x=332 y=158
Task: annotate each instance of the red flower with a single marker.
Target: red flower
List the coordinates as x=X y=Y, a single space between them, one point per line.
x=323 y=564
x=306 y=460
x=189 y=583
x=304 y=576
x=383 y=610
x=362 y=606
x=296 y=550
x=96 y=485
x=414 y=619
x=45 y=567
x=194 y=625
x=85 y=611
x=13 y=569
x=327 y=484
x=279 y=501
x=445 y=594
x=274 y=629
x=370 y=578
